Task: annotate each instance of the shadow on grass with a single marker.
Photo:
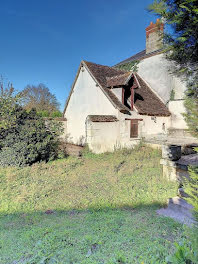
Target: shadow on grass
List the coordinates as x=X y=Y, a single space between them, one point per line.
x=87 y=235
x=92 y=209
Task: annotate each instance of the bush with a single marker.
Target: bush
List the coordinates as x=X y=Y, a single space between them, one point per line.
x=191 y=188
x=186 y=250
x=53 y=114
x=29 y=141
x=56 y=114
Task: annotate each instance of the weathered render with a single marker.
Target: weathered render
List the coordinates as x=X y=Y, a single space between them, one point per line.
x=86 y=99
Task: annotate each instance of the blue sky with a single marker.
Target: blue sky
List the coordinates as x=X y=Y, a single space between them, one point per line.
x=43 y=41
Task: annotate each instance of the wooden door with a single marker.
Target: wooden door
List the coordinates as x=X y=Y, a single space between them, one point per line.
x=134 y=128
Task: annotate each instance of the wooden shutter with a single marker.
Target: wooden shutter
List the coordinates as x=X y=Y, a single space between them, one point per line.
x=134 y=128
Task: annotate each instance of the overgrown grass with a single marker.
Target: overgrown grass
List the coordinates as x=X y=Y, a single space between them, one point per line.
x=103 y=210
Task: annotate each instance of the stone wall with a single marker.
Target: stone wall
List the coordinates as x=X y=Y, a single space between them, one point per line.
x=175 y=165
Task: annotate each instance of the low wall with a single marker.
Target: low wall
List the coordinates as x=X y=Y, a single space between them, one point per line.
x=176 y=168
x=102 y=137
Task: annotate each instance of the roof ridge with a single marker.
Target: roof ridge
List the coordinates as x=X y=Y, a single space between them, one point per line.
x=139 y=56
x=110 y=67
x=115 y=76
x=111 y=96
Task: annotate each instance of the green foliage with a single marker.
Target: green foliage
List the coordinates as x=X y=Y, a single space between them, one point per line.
x=186 y=250
x=8 y=104
x=56 y=114
x=53 y=114
x=43 y=113
x=172 y=95
x=121 y=179
x=182 y=42
x=192 y=115
x=191 y=188
x=182 y=255
x=24 y=136
x=29 y=141
x=129 y=66
x=182 y=49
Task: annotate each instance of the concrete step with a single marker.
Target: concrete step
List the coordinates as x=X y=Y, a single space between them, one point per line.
x=179 y=202
x=179 y=210
x=179 y=205
x=177 y=216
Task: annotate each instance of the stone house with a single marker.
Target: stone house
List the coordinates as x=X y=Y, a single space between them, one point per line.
x=109 y=107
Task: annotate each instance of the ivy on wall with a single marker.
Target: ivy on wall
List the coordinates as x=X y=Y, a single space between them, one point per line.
x=129 y=66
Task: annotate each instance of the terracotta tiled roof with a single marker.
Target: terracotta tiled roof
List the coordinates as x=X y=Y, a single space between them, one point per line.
x=119 y=80
x=140 y=56
x=103 y=118
x=122 y=108
x=101 y=72
x=147 y=102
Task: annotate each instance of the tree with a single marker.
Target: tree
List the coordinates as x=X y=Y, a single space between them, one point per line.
x=9 y=101
x=25 y=137
x=182 y=44
x=29 y=141
x=40 y=98
x=182 y=48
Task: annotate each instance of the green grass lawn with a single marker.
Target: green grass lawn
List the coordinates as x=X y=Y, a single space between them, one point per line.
x=103 y=210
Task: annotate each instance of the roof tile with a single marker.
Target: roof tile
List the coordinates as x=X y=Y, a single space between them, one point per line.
x=147 y=102
x=103 y=118
x=118 y=80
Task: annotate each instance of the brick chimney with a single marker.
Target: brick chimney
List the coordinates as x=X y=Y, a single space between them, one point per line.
x=153 y=36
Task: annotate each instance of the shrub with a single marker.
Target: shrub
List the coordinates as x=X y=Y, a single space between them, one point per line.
x=186 y=250
x=56 y=114
x=191 y=188
x=29 y=141
x=53 y=114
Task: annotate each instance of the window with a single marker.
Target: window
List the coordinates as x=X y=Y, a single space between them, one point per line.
x=134 y=128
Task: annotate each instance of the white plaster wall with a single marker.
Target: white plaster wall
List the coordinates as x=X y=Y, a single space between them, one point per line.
x=102 y=136
x=179 y=87
x=125 y=127
x=156 y=72
x=148 y=127
x=108 y=136
x=86 y=99
x=155 y=126
x=177 y=120
x=118 y=93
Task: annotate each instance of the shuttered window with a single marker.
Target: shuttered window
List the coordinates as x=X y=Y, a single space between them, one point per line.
x=134 y=128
